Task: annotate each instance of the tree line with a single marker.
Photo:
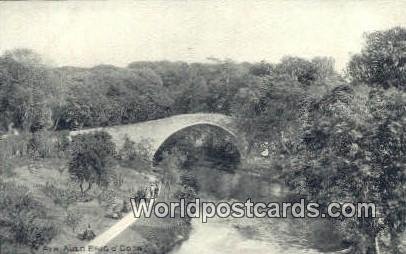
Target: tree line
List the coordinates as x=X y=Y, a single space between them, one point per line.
x=34 y=96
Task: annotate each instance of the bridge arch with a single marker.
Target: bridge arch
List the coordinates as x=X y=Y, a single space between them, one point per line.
x=156 y=132
x=235 y=139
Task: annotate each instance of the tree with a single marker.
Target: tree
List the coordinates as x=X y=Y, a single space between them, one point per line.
x=92 y=159
x=382 y=61
x=24 y=81
x=298 y=69
x=267 y=107
x=273 y=105
x=25 y=56
x=353 y=151
x=261 y=69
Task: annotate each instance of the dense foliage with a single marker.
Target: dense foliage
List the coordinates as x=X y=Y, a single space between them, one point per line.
x=34 y=96
x=353 y=150
x=23 y=219
x=382 y=61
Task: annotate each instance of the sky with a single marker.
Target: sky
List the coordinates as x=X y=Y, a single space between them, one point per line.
x=89 y=33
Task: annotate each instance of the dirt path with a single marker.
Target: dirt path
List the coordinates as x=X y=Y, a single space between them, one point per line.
x=110 y=234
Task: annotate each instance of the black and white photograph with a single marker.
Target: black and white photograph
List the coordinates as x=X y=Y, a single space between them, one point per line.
x=203 y=127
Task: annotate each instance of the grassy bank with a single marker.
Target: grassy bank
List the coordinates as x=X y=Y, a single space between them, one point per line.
x=48 y=182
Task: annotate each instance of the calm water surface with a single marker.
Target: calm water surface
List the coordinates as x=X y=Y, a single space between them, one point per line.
x=256 y=236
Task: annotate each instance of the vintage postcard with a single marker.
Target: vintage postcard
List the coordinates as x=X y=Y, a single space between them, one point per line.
x=203 y=127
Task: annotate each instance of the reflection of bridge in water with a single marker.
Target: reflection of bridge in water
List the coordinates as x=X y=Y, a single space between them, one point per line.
x=154 y=133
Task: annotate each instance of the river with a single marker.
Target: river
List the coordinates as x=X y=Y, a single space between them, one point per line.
x=219 y=236
x=257 y=236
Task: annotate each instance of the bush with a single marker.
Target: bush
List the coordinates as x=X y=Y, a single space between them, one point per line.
x=128 y=151
x=107 y=196
x=35 y=233
x=6 y=168
x=15 y=146
x=62 y=197
x=73 y=218
x=41 y=144
x=163 y=238
x=23 y=218
x=47 y=144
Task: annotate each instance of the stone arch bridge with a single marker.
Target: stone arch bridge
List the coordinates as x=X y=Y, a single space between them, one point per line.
x=156 y=132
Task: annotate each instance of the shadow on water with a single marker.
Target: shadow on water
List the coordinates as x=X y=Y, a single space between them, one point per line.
x=261 y=235
x=214 y=169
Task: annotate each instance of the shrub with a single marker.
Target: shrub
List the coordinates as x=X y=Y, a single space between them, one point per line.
x=73 y=218
x=62 y=197
x=106 y=196
x=15 y=146
x=24 y=219
x=6 y=168
x=62 y=142
x=128 y=151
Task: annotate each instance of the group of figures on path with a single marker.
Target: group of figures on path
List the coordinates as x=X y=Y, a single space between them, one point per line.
x=151 y=190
